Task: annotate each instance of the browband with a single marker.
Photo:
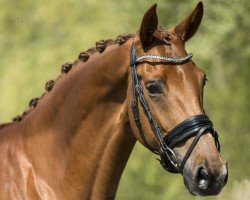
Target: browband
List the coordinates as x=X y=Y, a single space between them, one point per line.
x=167 y=59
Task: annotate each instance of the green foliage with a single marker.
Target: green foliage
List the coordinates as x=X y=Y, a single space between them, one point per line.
x=37 y=37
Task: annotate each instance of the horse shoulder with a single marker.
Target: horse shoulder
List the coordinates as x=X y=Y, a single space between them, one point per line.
x=18 y=178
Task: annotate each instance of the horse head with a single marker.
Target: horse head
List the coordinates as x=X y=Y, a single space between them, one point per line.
x=167 y=114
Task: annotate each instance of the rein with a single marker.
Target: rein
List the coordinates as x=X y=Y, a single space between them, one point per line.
x=195 y=125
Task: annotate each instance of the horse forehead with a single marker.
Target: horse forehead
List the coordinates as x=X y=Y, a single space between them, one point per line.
x=171 y=46
x=171 y=74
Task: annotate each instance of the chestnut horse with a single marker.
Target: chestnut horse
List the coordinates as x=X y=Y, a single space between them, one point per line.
x=74 y=141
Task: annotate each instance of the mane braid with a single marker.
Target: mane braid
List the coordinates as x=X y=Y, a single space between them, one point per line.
x=83 y=57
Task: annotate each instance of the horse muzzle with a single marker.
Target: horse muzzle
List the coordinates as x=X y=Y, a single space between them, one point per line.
x=205 y=182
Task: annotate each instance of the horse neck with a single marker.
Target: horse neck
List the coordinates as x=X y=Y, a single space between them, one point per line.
x=82 y=128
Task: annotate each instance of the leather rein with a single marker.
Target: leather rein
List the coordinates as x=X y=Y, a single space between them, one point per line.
x=193 y=126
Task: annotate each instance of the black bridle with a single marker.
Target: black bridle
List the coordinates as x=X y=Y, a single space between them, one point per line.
x=193 y=126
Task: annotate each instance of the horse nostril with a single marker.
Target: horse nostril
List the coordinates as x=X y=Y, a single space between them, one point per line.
x=202 y=178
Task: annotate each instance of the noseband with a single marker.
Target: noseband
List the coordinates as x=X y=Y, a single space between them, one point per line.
x=193 y=126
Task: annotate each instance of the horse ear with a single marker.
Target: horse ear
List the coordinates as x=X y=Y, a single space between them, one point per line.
x=188 y=27
x=148 y=26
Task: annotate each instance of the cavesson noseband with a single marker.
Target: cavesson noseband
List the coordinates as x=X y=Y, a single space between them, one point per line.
x=195 y=125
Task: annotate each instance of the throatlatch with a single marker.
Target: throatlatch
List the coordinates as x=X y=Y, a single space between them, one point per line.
x=193 y=126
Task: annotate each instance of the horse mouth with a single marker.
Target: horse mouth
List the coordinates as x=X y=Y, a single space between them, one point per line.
x=202 y=187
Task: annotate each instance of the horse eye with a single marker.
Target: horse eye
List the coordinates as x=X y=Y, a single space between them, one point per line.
x=153 y=89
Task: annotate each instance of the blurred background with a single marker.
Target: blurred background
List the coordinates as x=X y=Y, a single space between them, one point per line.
x=36 y=37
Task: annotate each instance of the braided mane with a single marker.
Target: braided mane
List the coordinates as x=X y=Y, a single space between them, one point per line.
x=83 y=57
